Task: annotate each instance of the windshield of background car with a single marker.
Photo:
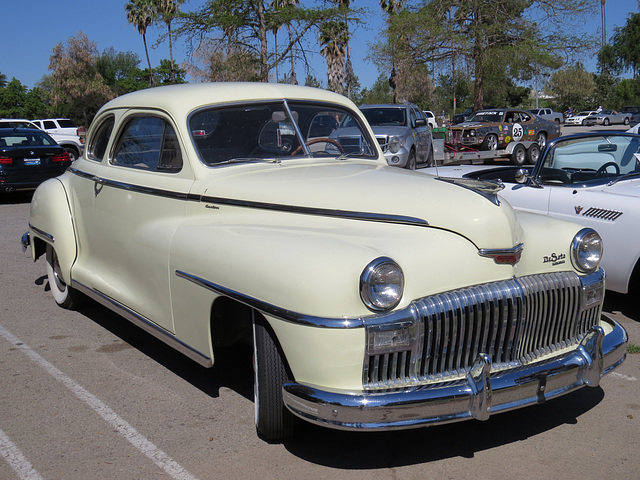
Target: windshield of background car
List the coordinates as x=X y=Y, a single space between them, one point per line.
x=486 y=117
x=385 y=116
x=268 y=131
x=583 y=114
x=592 y=160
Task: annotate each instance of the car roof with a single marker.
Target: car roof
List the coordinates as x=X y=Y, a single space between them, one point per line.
x=10 y=130
x=388 y=105
x=185 y=98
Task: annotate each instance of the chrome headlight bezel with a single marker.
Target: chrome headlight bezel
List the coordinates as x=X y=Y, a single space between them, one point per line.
x=586 y=250
x=381 y=284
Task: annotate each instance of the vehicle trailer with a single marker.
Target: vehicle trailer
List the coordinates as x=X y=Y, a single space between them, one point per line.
x=519 y=153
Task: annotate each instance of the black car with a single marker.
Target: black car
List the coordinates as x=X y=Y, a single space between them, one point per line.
x=28 y=157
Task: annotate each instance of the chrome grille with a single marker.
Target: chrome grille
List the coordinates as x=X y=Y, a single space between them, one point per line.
x=514 y=322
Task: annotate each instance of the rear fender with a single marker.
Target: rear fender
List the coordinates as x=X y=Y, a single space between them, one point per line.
x=51 y=223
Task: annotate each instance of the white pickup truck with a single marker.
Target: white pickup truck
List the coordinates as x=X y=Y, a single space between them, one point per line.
x=65 y=132
x=548 y=114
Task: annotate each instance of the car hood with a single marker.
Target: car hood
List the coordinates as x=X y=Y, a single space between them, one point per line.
x=368 y=192
x=390 y=130
x=471 y=125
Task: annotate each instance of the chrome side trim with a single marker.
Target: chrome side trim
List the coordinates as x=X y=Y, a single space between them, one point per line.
x=145 y=324
x=48 y=236
x=479 y=396
x=350 y=215
x=273 y=310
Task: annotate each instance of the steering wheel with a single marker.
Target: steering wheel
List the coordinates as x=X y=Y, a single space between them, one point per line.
x=333 y=142
x=602 y=171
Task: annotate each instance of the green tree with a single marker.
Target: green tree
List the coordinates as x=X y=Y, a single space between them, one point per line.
x=12 y=99
x=240 y=27
x=626 y=45
x=167 y=10
x=121 y=72
x=572 y=87
x=518 y=36
x=77 y=89
x=141 y=14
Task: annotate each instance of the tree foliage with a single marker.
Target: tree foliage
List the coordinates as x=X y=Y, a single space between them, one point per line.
x=573 y=87
x=519 y=37
x=77 y=88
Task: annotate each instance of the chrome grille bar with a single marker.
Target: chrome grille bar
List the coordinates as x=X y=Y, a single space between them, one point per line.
x=513 y=321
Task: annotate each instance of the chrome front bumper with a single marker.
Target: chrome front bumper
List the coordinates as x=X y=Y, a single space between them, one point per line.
x=481 y=395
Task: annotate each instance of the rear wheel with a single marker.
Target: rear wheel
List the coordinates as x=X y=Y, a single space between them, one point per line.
x=273 y=421
x=518 y=155
x=533 y=152
x=541 y=139
x=73 y=153
x=63 y=294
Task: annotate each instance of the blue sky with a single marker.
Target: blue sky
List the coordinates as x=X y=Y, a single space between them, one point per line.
x=31 y=29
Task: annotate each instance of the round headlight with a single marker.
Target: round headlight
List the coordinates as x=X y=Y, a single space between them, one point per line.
x=381 y=284
x=586 y=250
x=395 y=143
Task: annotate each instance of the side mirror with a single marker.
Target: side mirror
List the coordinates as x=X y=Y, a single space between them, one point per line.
x=521 y=176
x=420 y=122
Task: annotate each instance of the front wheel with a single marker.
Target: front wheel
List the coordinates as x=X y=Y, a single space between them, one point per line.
x=411 y=161
x=273 y=421
x=64 y=295
x=541 y=139
x=490 y=143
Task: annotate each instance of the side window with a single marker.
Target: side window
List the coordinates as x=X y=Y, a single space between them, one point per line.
x=148 y=143
x=413 y=116
x=48 y=124
x=98 y=143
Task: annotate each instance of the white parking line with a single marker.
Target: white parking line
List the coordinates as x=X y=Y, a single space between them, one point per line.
x=624 y=377
x=16 y=459
x=139 y=441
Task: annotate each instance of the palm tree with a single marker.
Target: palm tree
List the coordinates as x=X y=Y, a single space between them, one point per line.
x=167 y=9
x=278 y=5
x=141 y=14
x=334 y=36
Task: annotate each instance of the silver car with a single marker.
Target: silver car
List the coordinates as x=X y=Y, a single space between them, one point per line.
x=609 y=117
x=403 y=133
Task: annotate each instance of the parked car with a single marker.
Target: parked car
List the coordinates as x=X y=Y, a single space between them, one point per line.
x=466 y=114
x=59 y=125
x=610 y=117
x=586 y=117
x=591 y=179
x=431 y=118
x=548 y=114
x=402 y=131
x=374 y=298
x=72 y=143
x=630 y=109
x=494 y=129
x=28 y=157
x=16 y=123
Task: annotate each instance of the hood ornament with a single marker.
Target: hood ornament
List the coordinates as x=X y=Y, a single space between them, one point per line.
x=487 y=188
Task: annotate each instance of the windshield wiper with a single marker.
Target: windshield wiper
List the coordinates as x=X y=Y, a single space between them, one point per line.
x=249 y=160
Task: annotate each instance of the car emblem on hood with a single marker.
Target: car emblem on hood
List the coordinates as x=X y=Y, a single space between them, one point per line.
x=503 y=256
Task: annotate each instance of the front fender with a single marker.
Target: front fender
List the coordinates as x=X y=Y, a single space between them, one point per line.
x=51 y=223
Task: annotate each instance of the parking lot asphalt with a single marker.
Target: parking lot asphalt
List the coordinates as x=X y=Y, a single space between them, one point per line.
x=86 y=395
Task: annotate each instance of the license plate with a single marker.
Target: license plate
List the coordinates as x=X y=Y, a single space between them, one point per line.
x=32 y=161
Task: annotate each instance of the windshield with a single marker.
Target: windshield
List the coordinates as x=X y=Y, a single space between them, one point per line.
x=385 y=116
x=485 y=117
x=277 y=130
x=592 y=160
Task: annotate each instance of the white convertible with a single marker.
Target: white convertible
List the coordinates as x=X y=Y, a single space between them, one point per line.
x=373 y=297
x=592 y=179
